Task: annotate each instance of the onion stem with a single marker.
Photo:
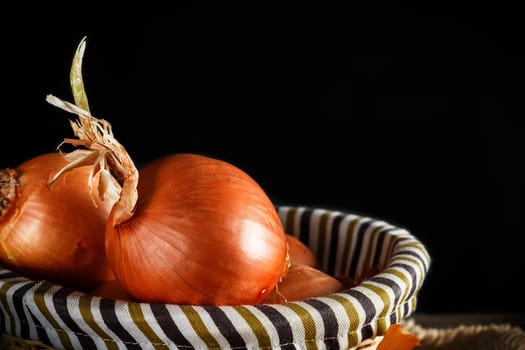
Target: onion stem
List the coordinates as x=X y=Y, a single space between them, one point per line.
x=8 y=185
x=118 y=174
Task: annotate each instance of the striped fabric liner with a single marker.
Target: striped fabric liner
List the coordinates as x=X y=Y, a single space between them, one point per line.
x=346 y=244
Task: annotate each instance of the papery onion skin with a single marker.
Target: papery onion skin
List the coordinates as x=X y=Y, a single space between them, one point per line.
x=55 y=233
x=300 y=253
x=303 y=282
x=203 y=233
x=112 y=290
x=397 y=337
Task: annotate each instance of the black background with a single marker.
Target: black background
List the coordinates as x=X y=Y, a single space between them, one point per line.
x=411 y=118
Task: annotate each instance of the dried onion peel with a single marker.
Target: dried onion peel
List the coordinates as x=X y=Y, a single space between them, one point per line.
x=397 y=338
x=303 y=282
x=300 y=253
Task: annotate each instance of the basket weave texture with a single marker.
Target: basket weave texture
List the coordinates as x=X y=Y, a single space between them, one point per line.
x=346 y=244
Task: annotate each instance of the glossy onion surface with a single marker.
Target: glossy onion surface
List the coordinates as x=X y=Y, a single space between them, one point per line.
x=203 y=233
x=55 y=233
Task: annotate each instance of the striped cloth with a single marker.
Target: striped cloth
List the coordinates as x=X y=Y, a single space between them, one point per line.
x=346 y=244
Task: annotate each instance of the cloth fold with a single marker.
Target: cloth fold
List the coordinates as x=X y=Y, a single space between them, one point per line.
x=461 y=337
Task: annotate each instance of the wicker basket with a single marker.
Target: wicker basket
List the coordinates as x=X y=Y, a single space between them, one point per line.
x=41 y=315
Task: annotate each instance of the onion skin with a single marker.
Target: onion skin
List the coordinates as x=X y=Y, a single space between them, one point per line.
x=203 y=232
x=350 y=282
x=300 y=253
x=398 y=338
x=112 y=290
x=303 y=282
x=55 y=233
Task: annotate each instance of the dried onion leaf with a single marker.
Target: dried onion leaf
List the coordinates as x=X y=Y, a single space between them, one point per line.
x=75 y=77
x=105 y=154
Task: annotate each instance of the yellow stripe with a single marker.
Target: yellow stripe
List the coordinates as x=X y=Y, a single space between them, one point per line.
x=310 y=330
x=137 y=315
x=84 y=304
x=321 y=237
x=402 y=277
x=414 y=303
x=421 y=248
x=402 y=298
x=419 y=267
x=198 y=325
x=3 y=299
x=418 y=264
x=40 y=303
x=369 y=252
x=391 y=245
x=416 y=245
x=381 y=324
x=347 y=244
x=353 y=316
x=385 y=298
x=257 y=327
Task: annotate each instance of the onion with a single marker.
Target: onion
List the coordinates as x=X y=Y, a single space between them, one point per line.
x=111 y=289
x=302 y=282
x=203 y=232
x=190 y=229
x=300 y=253
x=54 y=233
x=366 y=274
